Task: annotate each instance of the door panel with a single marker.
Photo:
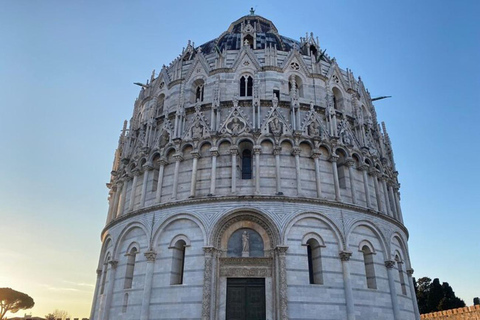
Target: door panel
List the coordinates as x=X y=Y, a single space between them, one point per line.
x=246 y=299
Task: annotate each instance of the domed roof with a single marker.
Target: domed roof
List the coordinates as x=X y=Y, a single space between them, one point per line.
x=265 y=32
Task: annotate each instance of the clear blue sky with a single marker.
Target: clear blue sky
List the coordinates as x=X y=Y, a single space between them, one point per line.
x=66 y=74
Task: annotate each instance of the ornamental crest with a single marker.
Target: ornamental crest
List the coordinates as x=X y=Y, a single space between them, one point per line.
x=313 y=125
x=236 y=122
x=346 y=135
x=198 y=127
x=275 y=122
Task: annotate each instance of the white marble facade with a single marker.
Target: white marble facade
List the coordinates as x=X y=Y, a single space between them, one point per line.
x=254 y=131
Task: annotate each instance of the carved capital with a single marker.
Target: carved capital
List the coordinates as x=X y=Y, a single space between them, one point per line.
x=163 y=161
x=99 y=272
x=345 y=255
x=234 y=150
x=333 y=158
x=277 y=150
x=214 y=152
x=296 y=151
x=316 y=154
x=113 y=264
x=150 y=255
x=363 y=167
x=390 y=264
x=136 y=172
x=195 y=154
x=148 y=166
x=257 y=149
x=178 y=157
x=410 y=272
x=282 y=250
x=349 y=162
x=209 y=251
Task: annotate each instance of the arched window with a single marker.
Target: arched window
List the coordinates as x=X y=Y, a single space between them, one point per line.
x=130 y=268
x=400 y=274
x=369 y=267
x=246 y=86
x=247 y=164
x=178 y=262
x=249 y=38
x=314 y=262
x=337 y=99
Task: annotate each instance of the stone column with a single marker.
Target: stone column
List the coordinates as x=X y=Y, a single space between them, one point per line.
x=111 y=279
x=117 y=191
x=95 y=294
x=234 y=152
x=257 y=150
x=131 y=205
x=208 y=287
x=296 y=153
x=390 y=264
x=388 y=209
x=193 y=183
x=178 y=157
x=213 y=175
x=161 y=171
x=316 y=159
x=397 y=203
x=392 y=202
x=123 y=196
x=345 y=257
x=350 y=163
x=276 y=152
x=147 y=290
x=147 y=167
x=412 y=294
x=374 y=173
x=282 y=286
x=333 y=159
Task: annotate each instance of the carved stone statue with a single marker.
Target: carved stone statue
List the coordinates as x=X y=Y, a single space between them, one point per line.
x=236 y=126
x=331 y=116
x=313 y=128
x=197 y=131
x=245 y=244
x=275 y=126
x=164 y=139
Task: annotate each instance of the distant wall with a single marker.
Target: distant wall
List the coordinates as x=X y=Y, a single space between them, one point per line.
x=467 y=313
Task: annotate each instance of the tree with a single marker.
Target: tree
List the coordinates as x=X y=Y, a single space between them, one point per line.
x=12 y=301
x=431 y=296
x=57 y=314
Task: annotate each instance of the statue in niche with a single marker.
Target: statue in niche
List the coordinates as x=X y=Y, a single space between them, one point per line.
x=236 y=126
x=275 y=126
x=164 y=139
x=313 y=128
x=197 y=131
x=141 y=138
x=343 y=132
x=332 y=119
x=245 y=244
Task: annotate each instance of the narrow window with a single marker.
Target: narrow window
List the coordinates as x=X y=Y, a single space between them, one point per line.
x=249 y=86
x=178 y=262
x=400 y=275
x=199 y=93
x=125 y=303
x=242 y=87
x=369 y=267
x=156 y=173
x=160 y=103
x=247 y=164
x=314 y=262
x=246 y=86
x=277 y=94
x=130 y=268
x=341 y=176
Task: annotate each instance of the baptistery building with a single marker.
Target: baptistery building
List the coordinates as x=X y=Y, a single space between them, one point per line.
x=253 y=181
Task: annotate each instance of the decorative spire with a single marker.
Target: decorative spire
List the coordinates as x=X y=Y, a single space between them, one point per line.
x=252 y=11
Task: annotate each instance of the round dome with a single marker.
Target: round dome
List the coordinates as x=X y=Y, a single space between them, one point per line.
x=253 y=181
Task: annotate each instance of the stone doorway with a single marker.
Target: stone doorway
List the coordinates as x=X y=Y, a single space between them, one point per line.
x=245 y=299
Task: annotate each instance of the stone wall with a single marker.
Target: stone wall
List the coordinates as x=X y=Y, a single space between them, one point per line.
x=467 y=313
